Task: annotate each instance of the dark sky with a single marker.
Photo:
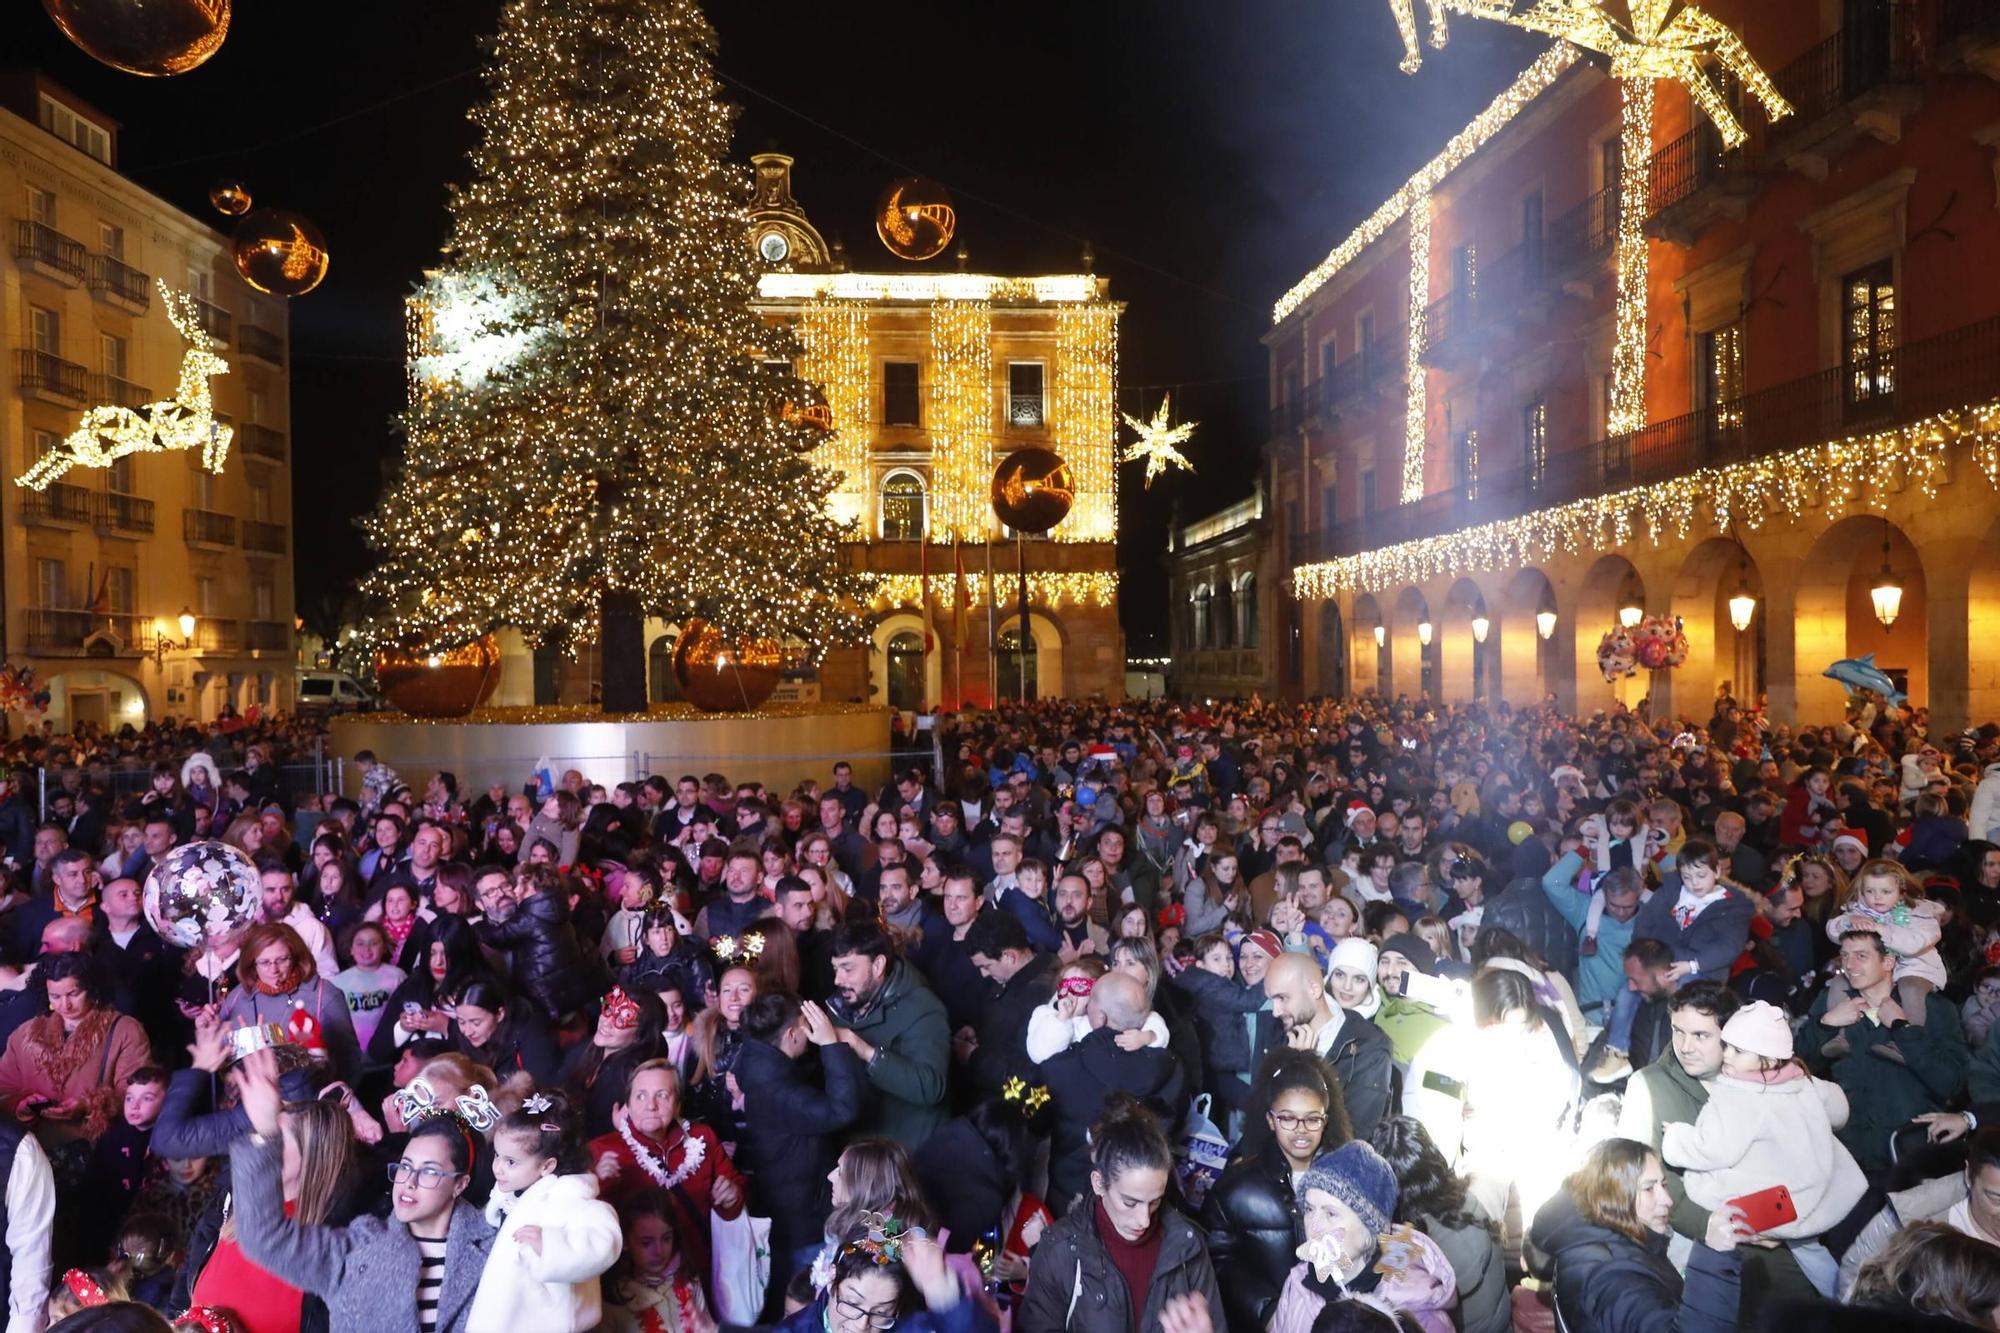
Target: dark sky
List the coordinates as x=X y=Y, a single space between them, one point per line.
x=1211 y=151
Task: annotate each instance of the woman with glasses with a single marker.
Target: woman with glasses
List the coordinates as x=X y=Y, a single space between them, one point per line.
x=281 y=984
x=888 y=1277
x=416 y=1270
x=1252 y=1213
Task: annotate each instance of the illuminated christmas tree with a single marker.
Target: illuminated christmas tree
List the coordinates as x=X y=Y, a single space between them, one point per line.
x=595 y=430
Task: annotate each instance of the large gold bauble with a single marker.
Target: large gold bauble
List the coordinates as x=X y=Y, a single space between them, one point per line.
x=231 y=198
x=1032 y=489
x=280 y=252
x=151 y=37
x=717 y=676
x=448 y=684
x=915 y=218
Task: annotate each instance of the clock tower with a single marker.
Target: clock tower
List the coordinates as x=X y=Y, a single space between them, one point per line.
x=781 y=236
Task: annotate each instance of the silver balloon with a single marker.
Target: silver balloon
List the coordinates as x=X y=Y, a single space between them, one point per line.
x=202 y=891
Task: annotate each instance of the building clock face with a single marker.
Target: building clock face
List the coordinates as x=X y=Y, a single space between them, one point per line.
x=773 y=246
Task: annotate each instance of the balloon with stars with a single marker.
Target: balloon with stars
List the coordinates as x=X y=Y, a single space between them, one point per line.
x=1158 y=443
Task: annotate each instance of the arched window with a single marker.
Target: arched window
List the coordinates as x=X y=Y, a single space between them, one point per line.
x=1246 y=611
x=666 y=688
x=1224 y=616
x=906 y=670
x=903 y=507
x=1010 y=664
x=1204 y=626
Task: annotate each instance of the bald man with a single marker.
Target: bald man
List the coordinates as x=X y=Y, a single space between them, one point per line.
x=1082 y=1077
x=1304 y=1017
x=1746 y=864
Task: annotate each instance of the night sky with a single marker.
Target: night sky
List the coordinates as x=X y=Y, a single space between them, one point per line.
x=1210 y=152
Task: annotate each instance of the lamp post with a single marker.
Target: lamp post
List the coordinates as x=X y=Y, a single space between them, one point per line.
x=162 y=645
x=1887 y=594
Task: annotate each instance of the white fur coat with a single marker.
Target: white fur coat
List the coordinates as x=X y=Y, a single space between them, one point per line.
x=1751 y=1136
x=557 y=1290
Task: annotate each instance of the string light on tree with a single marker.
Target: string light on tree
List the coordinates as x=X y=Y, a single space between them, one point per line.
x=1159 y=442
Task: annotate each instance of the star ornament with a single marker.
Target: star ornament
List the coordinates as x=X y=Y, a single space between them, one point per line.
x=1158 y=442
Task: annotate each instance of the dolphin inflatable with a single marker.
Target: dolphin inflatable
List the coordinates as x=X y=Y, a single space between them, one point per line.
x=1861 y=673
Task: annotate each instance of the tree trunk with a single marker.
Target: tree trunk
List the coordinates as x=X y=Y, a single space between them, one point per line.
x=548 y=675
x=622 y=641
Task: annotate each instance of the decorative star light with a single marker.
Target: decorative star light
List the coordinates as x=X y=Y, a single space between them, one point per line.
x=186 y=421
x=1158 y=441
x=1657 y=39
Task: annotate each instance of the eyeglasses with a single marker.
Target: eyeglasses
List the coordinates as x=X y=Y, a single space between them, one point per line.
x=875 y=1318
x=1287 y=1121
x=427 y=1175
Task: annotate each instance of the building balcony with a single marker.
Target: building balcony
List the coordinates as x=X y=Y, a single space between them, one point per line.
x=261 y=345
x=205 y=527
x=72 y=632
x=44 y=250
x=267 y=636
x=263 y=538
x=50 y=379
x=1918 y=380
x=1353 y=384
x=215 y=321
x=1695 y=182
x=215 y=635
x=262 y=442
x=1860 y=82
x=1580 y=243
x=115 y=283
x=57 y=505
x=1450 y=331
x=1027 y=411
x=127 y=514
x=112 y=391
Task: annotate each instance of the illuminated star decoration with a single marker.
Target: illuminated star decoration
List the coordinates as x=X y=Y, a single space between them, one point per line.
x=1658 y=39
x=186 y=421
x=1157 y=442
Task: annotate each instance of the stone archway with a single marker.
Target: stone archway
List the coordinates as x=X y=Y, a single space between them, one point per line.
x=1461 y=657
x=1719 y=654
x=1607 y=587
x=1369 y=655
x=1526 y=660
x=1332 y=652
x=110 y=699
x=1834 y=615
x=1411 y=661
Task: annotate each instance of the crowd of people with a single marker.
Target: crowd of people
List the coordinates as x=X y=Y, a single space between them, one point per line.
x=1350 y=1015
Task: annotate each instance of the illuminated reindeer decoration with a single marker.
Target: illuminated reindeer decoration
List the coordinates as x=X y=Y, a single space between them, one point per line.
x=187 y=421
x=1658 y=39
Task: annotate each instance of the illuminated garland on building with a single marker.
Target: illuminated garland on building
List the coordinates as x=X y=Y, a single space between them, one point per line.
x=1084 y=419
x=1051 y=591
x=1416 y=409
x=961 y=419
x=834 y=337
x=1627 y=409
x=924 y=288
x=1837 y=474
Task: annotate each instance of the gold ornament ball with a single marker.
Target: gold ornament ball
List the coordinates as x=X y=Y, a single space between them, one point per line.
x=1033 y=489
x=915 y=219
x=447 y=684
x=280 y=252
x=717 y=676
x=151 y=37
x=231 y=198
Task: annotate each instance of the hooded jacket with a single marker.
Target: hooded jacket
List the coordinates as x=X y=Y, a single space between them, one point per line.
x=1751 y=1136
x=788 y=1144
x=543 y=954
x=555 y=1288
x=906 y=1025
x=1412 y=1276
x=1606 y=1282
x=1073 y=1286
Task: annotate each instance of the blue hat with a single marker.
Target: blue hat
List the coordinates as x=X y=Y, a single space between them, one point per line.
x=1355 y=1174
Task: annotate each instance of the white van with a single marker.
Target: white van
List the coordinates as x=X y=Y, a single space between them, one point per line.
x=333 y=692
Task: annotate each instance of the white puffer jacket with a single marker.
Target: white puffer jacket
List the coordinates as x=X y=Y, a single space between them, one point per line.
x=1751 y=1136
x=556 y=1290
x=1984 y=821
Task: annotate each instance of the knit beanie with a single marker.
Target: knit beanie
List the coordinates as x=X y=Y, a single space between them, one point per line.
x=1267 y=940
x=1422 y=957
x=1761 y=1029
x=1355 y=1174
x=1355 y=954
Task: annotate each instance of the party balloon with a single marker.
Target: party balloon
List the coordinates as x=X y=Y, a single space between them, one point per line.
x=915 y=218
x=202 y=891
x=231 y=198
x=151 y=37
x=1033 y=489
x=280 y=252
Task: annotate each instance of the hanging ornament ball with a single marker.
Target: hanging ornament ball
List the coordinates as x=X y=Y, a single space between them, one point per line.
x=151 y=37
x=439 y=684
x=280 y=252
x=1032 y=489
x=231 y=198
x=202 y=891
x=915 y=218
x=718 y=676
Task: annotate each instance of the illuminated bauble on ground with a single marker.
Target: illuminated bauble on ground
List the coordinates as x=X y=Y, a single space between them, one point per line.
x=447 y=684
x=717 y=676
x=202 y=891
x=151 y=37
x=230 y=198
x=280 y=252
x=1032 y=489
x=915 y=218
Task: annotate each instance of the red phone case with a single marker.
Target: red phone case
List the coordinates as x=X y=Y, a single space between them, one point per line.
x=1767 y=1208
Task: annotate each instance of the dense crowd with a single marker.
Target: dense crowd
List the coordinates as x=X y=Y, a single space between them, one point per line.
x=1354 y=1015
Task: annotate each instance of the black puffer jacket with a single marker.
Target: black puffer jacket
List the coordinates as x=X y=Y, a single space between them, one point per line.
x=1254 y=1227
x=1080 y=1079
x=788 y=1144
x=1073 y=1287
x=1608 y=1283
x=1526 y=913
x=543 y=956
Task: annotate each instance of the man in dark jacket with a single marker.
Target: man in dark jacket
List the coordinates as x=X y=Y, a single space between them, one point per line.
x=543 y=954
x=998 y=1050
x=945 y=958
x=1360 y=1052
x=898 y=1030
x=1080 y=1078
x=789 y=1141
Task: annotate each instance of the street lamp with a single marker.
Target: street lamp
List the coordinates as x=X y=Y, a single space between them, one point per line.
x=1545 y=623
x=1481 y=626
x=162 y=645
x=1630 y=614
x=1887 y=594
x=1742 y=605
x=1381 y=635
x=1424 y=633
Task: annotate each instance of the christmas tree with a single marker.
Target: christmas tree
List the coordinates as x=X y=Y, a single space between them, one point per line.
x=594 y=433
